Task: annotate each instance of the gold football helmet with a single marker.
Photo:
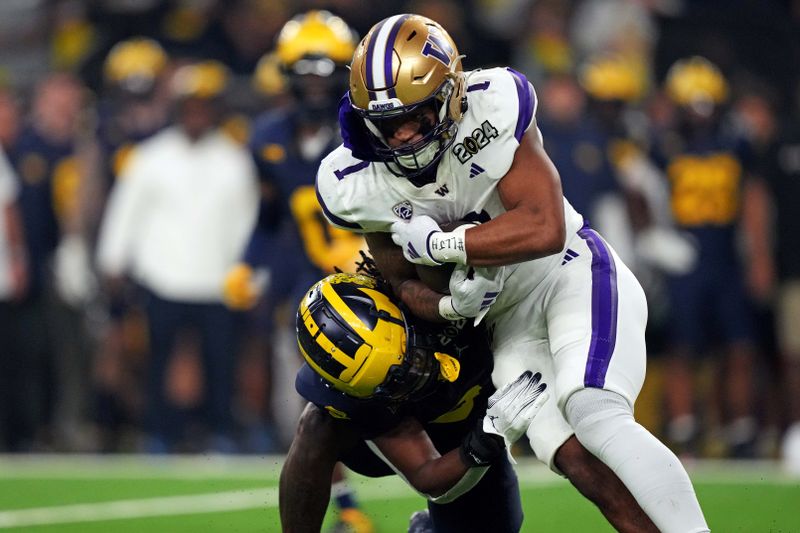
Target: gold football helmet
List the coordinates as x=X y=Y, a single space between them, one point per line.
x=353 y=336
x=205 y=79
x=405 y=64
x=696 y=81
x=310 y=58
x=608 y=77
x=315 y=35
x=135 y=64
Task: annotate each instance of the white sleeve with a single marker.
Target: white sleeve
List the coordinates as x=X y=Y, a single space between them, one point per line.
x=504 y=105
x=329 y=190
x=123 y=215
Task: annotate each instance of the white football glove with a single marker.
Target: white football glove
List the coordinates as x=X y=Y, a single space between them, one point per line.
x=74 y=280
x=413 y=237
x=666 y=248
x=511 y=409
x=474 y=290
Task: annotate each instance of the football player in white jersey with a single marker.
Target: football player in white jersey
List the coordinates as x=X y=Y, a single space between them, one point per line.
x=426 y=143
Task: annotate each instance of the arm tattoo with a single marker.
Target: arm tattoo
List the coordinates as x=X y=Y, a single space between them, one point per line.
x=402 y=275
x=421 y=299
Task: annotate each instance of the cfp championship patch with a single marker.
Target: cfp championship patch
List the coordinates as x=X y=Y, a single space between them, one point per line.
x=474 y=142
x=403 y=210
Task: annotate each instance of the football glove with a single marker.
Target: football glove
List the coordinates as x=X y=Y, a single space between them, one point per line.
x=479 y=448
x=511 y=409
x=414 y=236
x=72 y=271
x=473 y=291
x=243 y=287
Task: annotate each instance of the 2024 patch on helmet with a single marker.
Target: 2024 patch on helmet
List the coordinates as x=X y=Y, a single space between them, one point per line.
x=405 y=64
x=358 y=340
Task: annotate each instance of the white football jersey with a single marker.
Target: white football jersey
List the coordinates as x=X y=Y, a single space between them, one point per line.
x=366 y=197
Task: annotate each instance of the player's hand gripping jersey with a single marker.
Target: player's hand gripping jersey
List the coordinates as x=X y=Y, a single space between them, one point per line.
x=358 y=191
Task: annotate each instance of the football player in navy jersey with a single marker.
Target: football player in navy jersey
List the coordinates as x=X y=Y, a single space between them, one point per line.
x=713 y=199
x=427 y=143
x=293 y=242
x=396 y=392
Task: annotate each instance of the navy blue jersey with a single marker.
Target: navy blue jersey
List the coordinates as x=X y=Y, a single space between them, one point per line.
x=446 y=415
x=49 y=177
x=579 y=152
x=293 y=238
x=116 y=140
x=706 y=176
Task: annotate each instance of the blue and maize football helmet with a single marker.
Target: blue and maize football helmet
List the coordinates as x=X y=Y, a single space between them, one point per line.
x=310 y=58
x=405 y=64
x=357 y=339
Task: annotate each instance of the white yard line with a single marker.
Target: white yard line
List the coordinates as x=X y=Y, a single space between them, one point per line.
x=236 y=500
x=54 y=466
x=146 y=507
x=530 y=472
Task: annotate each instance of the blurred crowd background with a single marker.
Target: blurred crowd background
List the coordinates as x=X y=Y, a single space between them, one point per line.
x=160 y=223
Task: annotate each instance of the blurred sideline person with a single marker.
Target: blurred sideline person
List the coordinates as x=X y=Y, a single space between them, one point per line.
x=133 y=107
x=48 y=157
x=13 y=285
x=393 y=395
x=431 y=144
x=781 y=169
x=709 y=169
x=292 y=243
x=177 y=219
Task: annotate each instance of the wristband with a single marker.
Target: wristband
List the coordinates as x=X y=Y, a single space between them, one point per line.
x=449 y=246
x=446 y=309
x=480 y=448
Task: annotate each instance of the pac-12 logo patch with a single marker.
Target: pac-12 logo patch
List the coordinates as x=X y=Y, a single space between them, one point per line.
x=404 y=210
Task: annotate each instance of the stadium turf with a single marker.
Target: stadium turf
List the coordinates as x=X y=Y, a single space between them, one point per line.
x=210 y=494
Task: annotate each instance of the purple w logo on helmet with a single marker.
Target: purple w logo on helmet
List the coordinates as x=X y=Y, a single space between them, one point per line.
x=437 y=47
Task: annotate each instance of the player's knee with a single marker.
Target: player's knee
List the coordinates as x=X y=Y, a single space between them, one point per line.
x=590 y=405
x=597 y=416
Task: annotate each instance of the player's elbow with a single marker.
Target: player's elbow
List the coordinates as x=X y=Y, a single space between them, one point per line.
x=548 y=239
x=555 y=239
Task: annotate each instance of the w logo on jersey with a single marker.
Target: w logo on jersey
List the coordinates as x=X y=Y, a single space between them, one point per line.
x=474 y=170
x=403 y=210
x=441 y=191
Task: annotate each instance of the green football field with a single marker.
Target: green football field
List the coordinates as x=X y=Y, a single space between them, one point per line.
x=208 y=494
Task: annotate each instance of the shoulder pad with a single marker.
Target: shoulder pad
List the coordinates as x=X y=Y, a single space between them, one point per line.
x=505 y=95
x=335 y=168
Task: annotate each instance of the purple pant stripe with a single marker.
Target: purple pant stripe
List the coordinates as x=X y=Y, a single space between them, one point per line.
x=605 y=303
